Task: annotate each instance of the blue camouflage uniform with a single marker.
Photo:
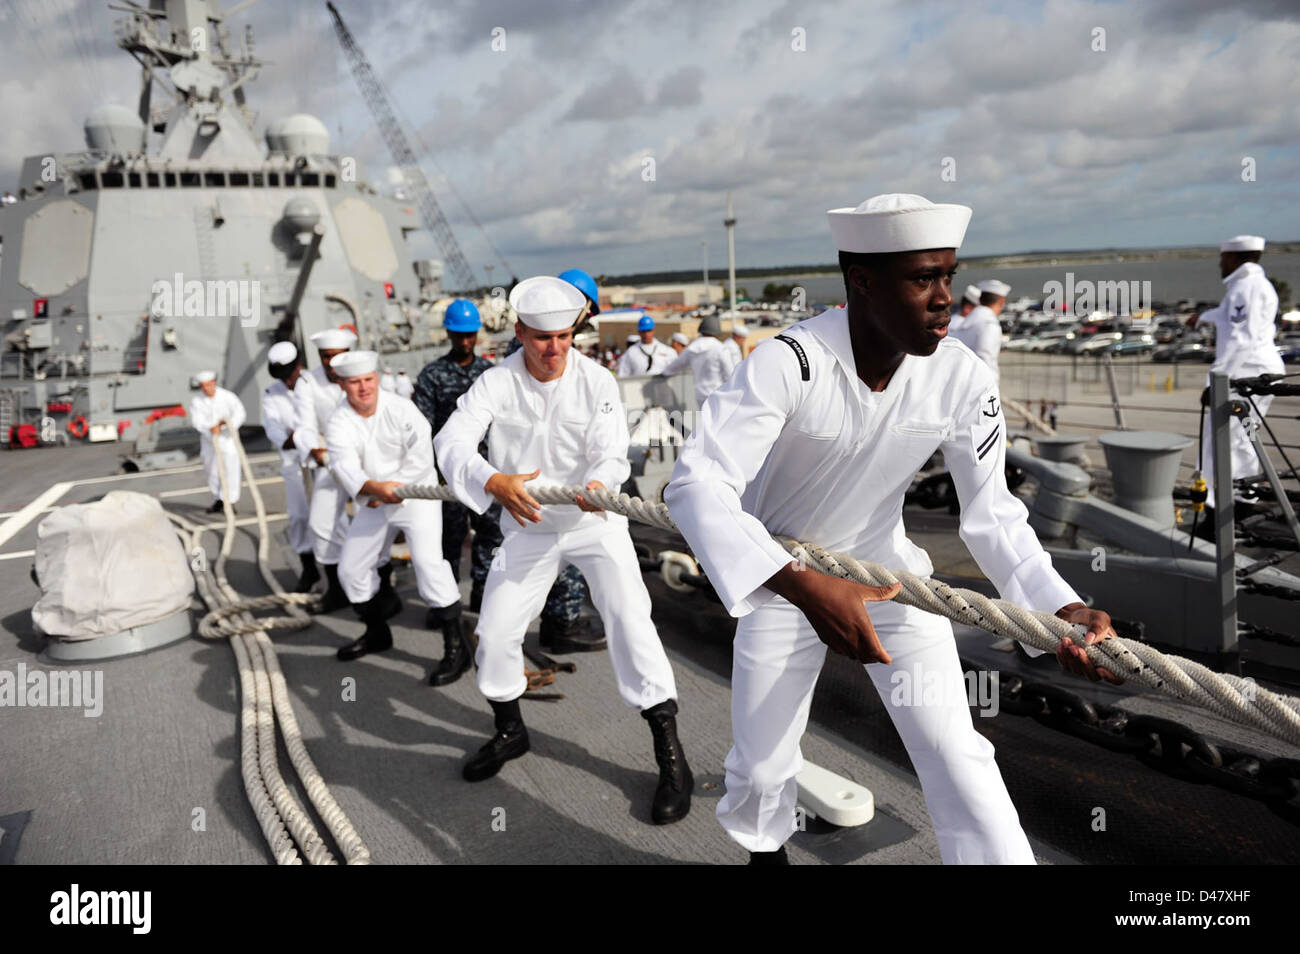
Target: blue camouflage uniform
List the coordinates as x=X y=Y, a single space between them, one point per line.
x=438 y=387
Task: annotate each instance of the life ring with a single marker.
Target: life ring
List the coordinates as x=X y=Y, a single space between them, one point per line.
x=78 y=427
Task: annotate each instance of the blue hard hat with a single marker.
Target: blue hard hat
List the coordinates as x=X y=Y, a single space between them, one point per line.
x=461 y=317
x=645 y=324
x=585 y=284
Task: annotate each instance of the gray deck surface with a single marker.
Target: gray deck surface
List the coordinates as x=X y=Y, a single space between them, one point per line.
x=122 y=788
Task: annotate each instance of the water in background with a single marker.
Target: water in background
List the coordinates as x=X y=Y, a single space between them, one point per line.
x=1170 y=279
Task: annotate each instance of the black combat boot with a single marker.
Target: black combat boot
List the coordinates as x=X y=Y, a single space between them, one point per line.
x=673 y=796
x=510 y=742
x=456 y=653
x=579 y=636
x=334 y=597
x=777 y=857
x=310 y=574
x=389 y=602
x=377 y=636
x=217 y=506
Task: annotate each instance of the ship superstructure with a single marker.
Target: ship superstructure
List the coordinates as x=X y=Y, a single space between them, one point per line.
x=127 y=269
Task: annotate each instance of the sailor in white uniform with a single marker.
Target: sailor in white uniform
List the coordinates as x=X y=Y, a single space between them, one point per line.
x=817 y=436
x=969 y=300
x=645 y=354
x=215 y=413
x=388 y=381
x=378 y=442
x=320 y=397
x=735 y=345
x=280 y=416
x=403 y=386
x=706 y=359
x=554 y=415
x=1244 y=330
x=980 y=330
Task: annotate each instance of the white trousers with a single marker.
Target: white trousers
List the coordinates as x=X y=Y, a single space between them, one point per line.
x=1241 y=451
x=296 y=506
x=224 y=450
x=328 y=517
x=523 y=570
x=371 y=534
x=775 y=663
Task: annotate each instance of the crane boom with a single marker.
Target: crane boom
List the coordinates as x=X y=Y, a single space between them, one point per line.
x=377 y=99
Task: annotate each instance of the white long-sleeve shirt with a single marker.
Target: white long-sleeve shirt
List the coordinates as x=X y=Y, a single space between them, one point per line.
x=734 y=353
x=980 y=332
x=207 y=411
x=644 y=359
x=391 y=444
x=823 y=458
x=281 y=414
x=573 y=429
x=318 y=399
x=1243 y=325
x=707 y=360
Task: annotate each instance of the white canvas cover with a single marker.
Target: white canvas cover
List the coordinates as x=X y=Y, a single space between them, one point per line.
x=108 y=566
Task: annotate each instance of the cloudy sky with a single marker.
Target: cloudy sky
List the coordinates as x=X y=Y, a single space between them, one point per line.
x=1012 y=108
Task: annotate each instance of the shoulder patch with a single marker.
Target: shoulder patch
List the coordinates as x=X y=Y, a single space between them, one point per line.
x=987 y=432
x=804 y=371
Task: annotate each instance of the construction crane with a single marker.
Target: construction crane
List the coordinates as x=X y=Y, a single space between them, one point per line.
x=377 y=99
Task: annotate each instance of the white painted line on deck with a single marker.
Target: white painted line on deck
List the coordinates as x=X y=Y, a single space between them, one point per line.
x=161 y=494
x=16 y=554
x=243 y=521
x=204 y=490
x=29 y=513
x=165 y=471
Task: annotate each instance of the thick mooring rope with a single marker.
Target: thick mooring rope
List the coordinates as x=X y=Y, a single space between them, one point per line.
x=266 y=697
x=1236 y=699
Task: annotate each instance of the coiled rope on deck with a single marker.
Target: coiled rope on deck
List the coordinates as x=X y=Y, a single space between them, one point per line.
x=1231 y=697
x=265 y=694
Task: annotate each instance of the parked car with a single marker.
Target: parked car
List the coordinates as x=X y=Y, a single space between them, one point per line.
x=1100 y=343
x=1191 y=348
x=1082 y=342
x=1134 y=342
x=1289 y=349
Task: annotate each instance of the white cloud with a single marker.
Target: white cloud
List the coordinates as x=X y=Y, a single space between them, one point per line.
x=1056 y=145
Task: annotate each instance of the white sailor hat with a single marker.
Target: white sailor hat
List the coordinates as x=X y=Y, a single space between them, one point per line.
x=333 y=339
x=353 y=364
x=544 y=303
x=739 y=330
x=972 y=294
x=681 y=338
x=204 y=376
x=633 y=339
x=992 y=286
x=898 y=222
x=282 y=352
x=1243 y=243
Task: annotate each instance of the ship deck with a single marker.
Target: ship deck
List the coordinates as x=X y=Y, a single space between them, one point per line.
x=123 y=787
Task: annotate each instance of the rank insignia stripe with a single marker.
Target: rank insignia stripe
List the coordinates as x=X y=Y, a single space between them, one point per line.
x=989 y=442
x=804 y=372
